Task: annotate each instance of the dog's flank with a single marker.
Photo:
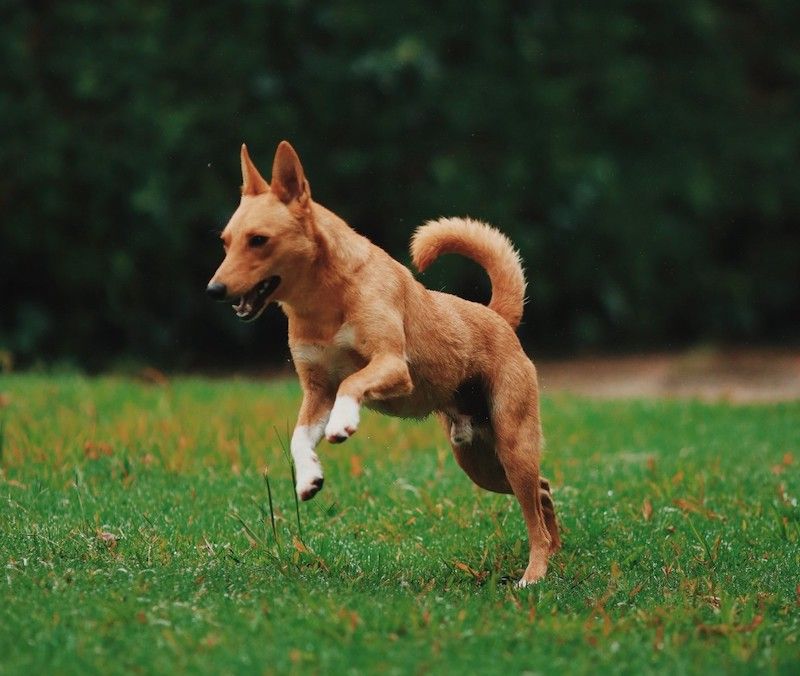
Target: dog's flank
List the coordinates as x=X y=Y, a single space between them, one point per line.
x=364 y=332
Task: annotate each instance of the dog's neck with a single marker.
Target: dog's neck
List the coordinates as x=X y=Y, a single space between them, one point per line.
x=340 y=253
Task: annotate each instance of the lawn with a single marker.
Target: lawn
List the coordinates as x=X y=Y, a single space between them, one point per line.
x=136 y=534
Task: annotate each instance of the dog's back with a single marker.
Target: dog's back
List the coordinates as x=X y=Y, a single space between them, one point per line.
x=449 y=340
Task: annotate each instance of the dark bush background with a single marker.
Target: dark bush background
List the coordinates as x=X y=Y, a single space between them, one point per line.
x=644 y=157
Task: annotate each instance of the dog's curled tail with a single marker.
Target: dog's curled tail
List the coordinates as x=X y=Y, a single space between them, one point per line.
x=488 y=247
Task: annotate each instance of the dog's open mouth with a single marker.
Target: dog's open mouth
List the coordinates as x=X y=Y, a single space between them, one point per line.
x=252 y=304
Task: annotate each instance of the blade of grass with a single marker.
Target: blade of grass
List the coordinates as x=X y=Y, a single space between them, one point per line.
x=244 y=454
x=271 y=507
x=294 y=483
x=77 y=480
x=245 y=525
x=702 y=540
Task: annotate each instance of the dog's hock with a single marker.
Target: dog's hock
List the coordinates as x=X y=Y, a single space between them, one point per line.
x=343 y=422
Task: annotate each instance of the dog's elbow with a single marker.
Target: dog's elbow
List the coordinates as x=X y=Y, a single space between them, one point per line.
x=406 y=385
x=402 y=385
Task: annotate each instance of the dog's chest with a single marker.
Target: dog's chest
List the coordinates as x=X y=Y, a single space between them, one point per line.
x=337 y=357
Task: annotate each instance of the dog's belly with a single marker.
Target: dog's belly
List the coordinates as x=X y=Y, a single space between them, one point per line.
x=422 y=401
x=402 y=407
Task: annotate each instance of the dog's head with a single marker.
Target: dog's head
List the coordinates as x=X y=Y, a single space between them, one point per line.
x=269 y=239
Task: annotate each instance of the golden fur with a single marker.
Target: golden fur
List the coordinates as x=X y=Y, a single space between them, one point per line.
x=363 y=331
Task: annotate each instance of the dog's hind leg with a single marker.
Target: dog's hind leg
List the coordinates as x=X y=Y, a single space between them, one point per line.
x=478 y=459
x=517 y=433
x=481 y=464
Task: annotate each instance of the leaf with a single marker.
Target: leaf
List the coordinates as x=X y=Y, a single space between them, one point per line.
x=744 y=629
x=480 y=576
x=695 y=507
x=299 y=545
x=109 y=539
x=211 y=640
x=465 y=568
x=647 y=509
x=356 y=469
x=93 y=450
x=726 y=629
x=687 y=505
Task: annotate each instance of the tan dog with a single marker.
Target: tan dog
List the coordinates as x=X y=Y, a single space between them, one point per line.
x=363 y=331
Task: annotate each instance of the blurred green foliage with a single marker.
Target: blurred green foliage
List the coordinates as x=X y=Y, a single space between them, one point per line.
x=643 y=156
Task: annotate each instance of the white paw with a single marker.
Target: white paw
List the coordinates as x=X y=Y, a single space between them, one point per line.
x=307 y=467
x=309 y=477
x=343 y=422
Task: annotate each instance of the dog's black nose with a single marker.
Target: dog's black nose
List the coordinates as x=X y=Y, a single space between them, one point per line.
x=217 y=290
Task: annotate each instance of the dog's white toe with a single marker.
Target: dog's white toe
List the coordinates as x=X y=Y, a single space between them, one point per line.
x=307 y=467
x=344 y=419
x=309 y=487
x=308 y=470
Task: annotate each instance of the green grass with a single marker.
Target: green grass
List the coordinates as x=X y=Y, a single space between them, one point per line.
x=136 y=534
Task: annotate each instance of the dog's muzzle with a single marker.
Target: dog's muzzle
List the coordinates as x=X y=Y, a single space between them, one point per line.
x=217 y=290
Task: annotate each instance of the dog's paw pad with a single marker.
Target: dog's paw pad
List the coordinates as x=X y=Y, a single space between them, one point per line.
x=310 y=488
x=342 y=435
x=343 y=422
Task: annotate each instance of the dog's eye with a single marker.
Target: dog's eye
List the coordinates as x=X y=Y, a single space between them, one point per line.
x=257 y=241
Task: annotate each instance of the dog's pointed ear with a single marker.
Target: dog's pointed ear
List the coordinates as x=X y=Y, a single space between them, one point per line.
x=253 y=183
x=288 y=180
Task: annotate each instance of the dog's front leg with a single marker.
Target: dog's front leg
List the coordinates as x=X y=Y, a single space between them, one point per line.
x=314 y=413
x=385 y=376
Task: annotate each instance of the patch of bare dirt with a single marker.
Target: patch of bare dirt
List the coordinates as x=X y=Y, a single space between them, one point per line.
x=736 y=375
